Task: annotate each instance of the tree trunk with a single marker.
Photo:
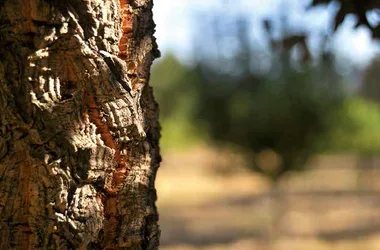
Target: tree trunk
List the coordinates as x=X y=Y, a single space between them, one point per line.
x=78 y=125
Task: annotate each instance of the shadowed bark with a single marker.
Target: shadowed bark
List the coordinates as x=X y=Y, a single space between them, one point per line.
x=78 y=125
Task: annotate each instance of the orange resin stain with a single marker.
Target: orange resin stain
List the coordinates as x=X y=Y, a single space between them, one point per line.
x=127 y=27
x=122 y=169
x=110 y=199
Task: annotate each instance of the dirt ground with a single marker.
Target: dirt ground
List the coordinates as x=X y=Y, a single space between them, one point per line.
x=206 y=201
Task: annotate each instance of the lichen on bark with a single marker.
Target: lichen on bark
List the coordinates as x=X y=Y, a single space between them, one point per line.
x=78 y=151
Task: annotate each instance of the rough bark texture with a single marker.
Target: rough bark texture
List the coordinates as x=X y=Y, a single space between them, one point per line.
x=78 y=125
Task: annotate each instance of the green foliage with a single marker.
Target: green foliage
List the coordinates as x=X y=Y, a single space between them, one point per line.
x=356 y=128
x=287 y=116
x=175 y=90
x=294 y=116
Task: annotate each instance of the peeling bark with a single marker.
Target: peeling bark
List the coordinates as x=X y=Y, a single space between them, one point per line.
x=78 y=125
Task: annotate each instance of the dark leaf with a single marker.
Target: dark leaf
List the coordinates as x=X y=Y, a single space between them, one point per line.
x=356 y=7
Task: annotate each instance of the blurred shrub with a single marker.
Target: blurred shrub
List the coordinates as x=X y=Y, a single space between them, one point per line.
x=285 y=117
x=356 y=128
x=176 y=91
x=288 y=118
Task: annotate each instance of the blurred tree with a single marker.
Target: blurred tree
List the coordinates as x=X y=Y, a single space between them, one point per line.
x=285 y=111
x=287 y=115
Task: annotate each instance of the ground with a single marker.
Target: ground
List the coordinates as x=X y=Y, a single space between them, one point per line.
x=207 y=201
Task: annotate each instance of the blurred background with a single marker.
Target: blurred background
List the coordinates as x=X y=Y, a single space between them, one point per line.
x=270 y=124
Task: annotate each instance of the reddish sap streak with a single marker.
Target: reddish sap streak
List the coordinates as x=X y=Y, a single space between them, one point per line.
x=127 y=27
x=118 y=176
x=121 y=170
